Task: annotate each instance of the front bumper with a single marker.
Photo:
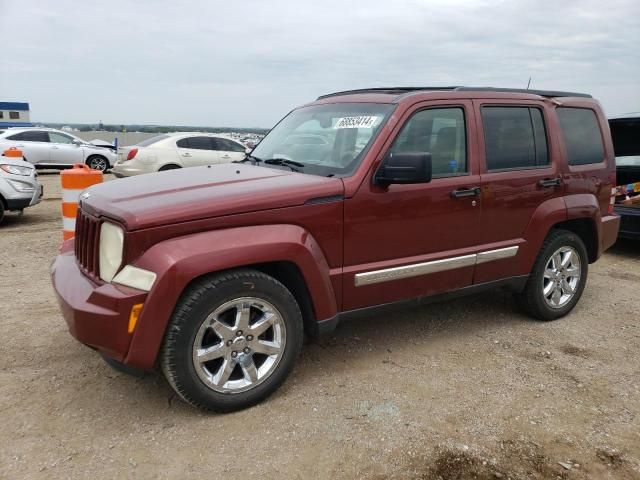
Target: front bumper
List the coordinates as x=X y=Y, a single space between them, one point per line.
x=17 y=199
x=97 y=315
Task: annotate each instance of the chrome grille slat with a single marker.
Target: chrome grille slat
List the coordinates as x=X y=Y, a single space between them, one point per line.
x=87 y=243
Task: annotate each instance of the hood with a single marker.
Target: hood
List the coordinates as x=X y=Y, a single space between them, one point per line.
x=195 y=193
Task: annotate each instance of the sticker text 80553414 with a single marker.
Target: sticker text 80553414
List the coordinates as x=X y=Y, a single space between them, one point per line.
x=363 y=121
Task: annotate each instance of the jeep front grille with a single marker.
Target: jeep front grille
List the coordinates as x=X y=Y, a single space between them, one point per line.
x=87 y=243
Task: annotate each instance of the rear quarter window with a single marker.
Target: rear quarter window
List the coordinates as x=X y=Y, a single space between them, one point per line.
x=582 y=136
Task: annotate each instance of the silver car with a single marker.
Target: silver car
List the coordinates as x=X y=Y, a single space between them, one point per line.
x=51 y=148
x=19 y=187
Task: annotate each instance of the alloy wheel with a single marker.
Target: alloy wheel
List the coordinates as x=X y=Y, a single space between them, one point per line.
x=239 y=345
x=561 y=277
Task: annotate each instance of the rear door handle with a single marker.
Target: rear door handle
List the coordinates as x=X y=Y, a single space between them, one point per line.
x=466 y=192
x=226 y=156
x=550 y=182
x=187 y=154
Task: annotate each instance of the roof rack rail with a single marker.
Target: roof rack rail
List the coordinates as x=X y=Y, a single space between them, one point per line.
x=390 y=90
x=542 y=93
x=403 y=90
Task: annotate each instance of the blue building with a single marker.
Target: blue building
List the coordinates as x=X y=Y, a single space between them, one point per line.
x=14 y=114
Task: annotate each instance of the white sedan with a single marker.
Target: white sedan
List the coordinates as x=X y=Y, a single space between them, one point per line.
x=176 y=150
x=51 y=148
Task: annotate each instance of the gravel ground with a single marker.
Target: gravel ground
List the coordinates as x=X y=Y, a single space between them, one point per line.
x=467 y=389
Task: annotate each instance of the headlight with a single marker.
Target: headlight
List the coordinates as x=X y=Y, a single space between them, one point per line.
x=111 y=245
x=16 y=170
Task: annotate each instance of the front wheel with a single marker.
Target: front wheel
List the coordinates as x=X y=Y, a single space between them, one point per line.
x=558 y=277
x=232 y=340
x=97 y=162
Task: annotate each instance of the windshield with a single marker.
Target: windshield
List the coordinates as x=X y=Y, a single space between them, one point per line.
x=626 y=141
x=325 y=139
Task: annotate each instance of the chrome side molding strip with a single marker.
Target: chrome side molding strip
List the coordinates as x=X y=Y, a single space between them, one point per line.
x=499 y=254
x=424 y=268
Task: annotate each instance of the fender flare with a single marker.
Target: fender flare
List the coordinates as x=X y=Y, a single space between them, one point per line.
x=548 y=214
x=180 y=260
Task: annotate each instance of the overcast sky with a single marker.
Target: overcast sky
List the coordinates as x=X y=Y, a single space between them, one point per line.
x=246 y=63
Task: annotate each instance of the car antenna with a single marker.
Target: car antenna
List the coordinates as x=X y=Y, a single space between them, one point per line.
x=528 y=83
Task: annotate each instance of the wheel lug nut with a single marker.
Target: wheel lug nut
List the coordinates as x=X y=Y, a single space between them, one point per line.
x=234 y=354
x=246 y=350
x=229 y=342
x=239 y=332
x=249 y=337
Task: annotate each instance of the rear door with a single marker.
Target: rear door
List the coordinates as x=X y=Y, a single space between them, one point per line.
x=519 y=171
x=405 y=241
x=63 y=150
x=228 y=150
x=197 y=150
x=34 y=145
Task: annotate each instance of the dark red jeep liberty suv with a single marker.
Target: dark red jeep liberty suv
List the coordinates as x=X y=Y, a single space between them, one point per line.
x=360 y=199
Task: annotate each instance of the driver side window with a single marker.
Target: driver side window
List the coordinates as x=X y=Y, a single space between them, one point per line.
x=441 y=132
x=59 y=138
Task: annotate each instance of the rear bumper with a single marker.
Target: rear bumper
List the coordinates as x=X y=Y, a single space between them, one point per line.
x=629 y=222
x=609 y=227
x=97 y=315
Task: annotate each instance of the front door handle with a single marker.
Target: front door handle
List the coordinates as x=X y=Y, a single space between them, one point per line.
x=550 y=182
x=466 y=192
x=226 y=156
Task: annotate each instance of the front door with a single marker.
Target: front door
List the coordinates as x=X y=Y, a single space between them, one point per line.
x=63 y=150
x=404 y=241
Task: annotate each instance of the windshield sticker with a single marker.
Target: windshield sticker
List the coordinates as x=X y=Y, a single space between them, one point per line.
x=368 y=121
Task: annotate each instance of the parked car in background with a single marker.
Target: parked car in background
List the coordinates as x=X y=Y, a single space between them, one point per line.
x=625 y=132
x=19 y=187
x=176 y=150
x=51 y=148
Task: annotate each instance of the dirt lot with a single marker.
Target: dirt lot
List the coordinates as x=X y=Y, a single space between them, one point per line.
x=469 y=389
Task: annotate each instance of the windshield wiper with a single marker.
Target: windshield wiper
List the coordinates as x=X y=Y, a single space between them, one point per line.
x=285 y=162
x=249 y=158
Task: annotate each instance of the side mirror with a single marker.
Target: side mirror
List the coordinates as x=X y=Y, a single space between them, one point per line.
x=77 y=143
x=248 y=150
x=404 y=168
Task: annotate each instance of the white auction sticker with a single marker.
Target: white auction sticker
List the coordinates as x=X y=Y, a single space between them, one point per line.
x=357 y=122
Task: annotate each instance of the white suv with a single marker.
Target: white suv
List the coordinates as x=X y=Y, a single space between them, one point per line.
x=177 y=150
x=50 y=148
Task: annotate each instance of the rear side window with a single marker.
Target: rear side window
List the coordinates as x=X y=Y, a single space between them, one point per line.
x=151 y=141
x=31 y=136
x=197 y=143
x=582 y=136
x=441 y=132
x=514 y=137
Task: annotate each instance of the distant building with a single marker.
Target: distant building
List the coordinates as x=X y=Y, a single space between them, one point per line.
x=14 y=114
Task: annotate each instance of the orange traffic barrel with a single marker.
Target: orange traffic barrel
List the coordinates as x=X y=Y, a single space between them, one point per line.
x=13 y=152
x=74 y=181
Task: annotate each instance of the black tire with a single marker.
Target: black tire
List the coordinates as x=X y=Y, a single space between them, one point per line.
x=201 y=299
x=532 y=299
x=169 y=167
x=98 y=162
x=1 y=210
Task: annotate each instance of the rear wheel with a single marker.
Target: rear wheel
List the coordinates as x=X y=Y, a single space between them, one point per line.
x=558 y=277
x=98 y=162
x=232 y=340
x=1 y=210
